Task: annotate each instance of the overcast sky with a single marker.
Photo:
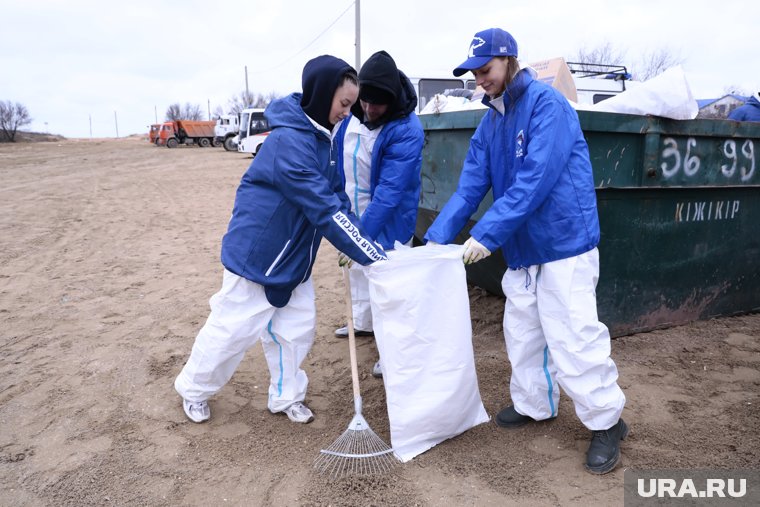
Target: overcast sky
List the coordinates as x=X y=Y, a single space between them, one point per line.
x=125 y=62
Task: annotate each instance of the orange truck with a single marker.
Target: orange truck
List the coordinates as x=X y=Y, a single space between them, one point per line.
x=153 y=133
x=174 y=133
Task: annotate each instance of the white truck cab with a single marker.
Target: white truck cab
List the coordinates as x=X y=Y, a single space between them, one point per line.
x=225 y=130
x=254 y=129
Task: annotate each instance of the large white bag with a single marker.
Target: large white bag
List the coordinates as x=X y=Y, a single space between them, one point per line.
x=421 y=319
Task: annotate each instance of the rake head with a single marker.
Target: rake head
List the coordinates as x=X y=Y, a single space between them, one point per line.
x=358 y=451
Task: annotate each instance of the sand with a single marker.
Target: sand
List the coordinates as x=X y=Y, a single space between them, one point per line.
x=109 y=251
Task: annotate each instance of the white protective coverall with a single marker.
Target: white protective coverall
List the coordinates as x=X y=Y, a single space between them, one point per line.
x=357 y=159
x=554 y=339
x=241 y=316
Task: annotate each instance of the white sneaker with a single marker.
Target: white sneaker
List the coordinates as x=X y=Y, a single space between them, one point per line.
x=377 y=370
x=196 y=411
x=342 y=332
x=299 y=413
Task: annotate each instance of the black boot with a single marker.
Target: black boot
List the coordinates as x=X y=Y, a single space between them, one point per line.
x=511 y=418
x=604 y=451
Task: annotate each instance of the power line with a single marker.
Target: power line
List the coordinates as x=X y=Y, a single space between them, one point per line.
x=310 y=43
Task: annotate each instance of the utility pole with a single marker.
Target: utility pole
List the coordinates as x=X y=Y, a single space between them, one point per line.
x=209 y=108
x=155 y=111
x=358 y=33
x=116 y=121
x=246 y=82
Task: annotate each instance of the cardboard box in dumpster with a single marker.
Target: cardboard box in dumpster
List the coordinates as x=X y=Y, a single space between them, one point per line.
x=556 y=73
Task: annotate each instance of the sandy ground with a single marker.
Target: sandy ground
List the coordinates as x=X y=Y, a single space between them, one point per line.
x=108 y=255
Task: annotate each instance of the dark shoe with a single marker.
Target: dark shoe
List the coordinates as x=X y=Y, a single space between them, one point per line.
x=603 y=453
x=510 y=418
x=342 y=332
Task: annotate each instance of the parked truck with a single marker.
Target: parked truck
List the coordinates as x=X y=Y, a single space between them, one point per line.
x=174 y=133
x=226 y=131
x=153 y=132
x=254 y=129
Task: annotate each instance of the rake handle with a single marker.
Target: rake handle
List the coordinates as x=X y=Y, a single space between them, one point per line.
x=351 y=335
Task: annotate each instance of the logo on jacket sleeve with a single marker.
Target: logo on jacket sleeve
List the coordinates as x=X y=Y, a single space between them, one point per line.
x=519 y=140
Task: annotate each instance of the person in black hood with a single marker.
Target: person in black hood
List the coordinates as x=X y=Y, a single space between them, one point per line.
x=382 y=84
x=290 y=197
x=380 y=156
x=320 y=78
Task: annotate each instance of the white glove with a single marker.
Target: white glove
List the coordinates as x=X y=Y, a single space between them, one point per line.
x=474 y=251
x=344 y=260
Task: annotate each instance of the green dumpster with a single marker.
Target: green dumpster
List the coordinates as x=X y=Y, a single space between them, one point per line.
x=679 y=209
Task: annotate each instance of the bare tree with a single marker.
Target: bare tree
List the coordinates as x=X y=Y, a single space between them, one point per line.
x=13 y=116
x=188 y=112
x=605 y=54
x=247 y=99
x=647 y=66
x=173 y=112
x=192 y=112
x=655 y=63
x=734 y=89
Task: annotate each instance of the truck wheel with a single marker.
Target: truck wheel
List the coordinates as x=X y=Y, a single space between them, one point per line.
x=215 y=143
x=171 y=143
x=203 y=142
x=230 y=144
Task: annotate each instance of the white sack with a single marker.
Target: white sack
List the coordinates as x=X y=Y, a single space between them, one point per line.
x=667 y=95
x=421 y=315
x=446 y=104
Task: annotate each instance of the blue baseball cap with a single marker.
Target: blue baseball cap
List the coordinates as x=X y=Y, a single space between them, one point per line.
x=484 y=46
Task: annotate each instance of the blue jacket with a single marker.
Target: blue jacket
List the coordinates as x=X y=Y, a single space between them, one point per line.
x=290 y=196
x=536 y=160
x=750 y=111
x=395 y=180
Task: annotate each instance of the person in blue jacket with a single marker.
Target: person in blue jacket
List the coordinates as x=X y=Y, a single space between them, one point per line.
x=530 y=150
x=380 y=157
x=288 y=199
x=750 y=111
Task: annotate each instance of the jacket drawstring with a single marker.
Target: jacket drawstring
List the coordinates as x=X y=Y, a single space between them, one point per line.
x=527 y=278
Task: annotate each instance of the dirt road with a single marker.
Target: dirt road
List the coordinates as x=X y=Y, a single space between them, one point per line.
x=108 y=255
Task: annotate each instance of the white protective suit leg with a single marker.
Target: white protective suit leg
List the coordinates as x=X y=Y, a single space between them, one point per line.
x=578 y=344
x=533 y=385
x=360 y=303
x=239 y=315
x=287 y=340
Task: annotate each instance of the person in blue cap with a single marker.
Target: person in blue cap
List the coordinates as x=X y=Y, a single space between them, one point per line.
x=289 y=198
x=530 y=151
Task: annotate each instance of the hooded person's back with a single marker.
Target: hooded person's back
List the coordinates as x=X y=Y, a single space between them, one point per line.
x=750 y=111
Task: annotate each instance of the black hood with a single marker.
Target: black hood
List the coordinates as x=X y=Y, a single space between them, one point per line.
x=321 y=77
x=380 y=71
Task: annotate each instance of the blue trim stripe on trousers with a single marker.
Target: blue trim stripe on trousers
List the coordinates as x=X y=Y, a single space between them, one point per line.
x=549 y=379
x=274 y=338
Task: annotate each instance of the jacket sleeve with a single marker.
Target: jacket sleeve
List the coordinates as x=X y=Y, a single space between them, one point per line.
x=398 y=174
x=549 y=144
x=305 y=184
x=474 y=183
